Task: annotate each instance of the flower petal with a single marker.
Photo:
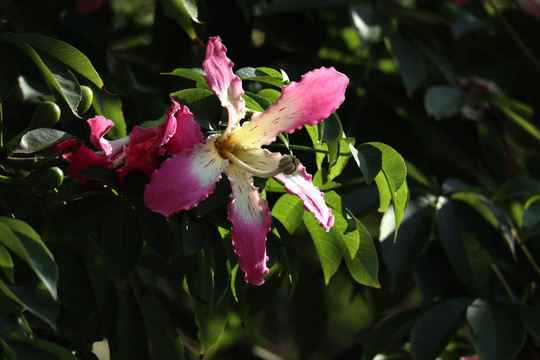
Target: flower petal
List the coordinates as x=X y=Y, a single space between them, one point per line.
x=83 y=157
x=186 y=133
x=99 y=126
x=299 y=183
x=260 y=159
x=250 y=216
x=221 y=79
x=314 y=98
x=185 y=179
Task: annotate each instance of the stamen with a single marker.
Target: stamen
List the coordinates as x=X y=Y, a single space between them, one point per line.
x=288 y=164
x=251 y=170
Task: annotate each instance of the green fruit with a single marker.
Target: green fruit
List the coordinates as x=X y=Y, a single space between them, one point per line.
x=45 y=115
x=87 y=96
x=46 y=179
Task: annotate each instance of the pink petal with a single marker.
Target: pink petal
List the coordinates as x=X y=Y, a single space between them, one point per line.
x=83 y=157
x=461 y=2
x=250 y=216
x=185 y=179
x=314 y=98
x=99 y=126
x=221 y=79
x=299 y=183
x=142 y=152
x=187 y=132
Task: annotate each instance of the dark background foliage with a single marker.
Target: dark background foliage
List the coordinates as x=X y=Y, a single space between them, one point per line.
x=454 y=91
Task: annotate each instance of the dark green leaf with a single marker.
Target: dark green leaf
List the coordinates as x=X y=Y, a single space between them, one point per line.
x=517 y=187
x=6 y=263
x=436 y=327
x=66 y=54
x=178 y=10
x=9 y=70
x=204 y=105
x=468 y=258
x=499 y=333
x=110 y=107
x=444 y=101
x=410 y=63
x=264 y=75
x=39 y=139
x=529 y=316
x=122 y=241
x=35 y=348
x=372 y=26
x=101 y=174
x=531 y=218
x=37 y=299
x=369 y=160
x=156 y=231
x=78 y=218
x=21 y=239
x=164 y=341
x=194 y=74
x=400 y=255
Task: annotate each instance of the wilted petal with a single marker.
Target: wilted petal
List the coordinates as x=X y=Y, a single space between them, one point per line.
x=185 y=179
x=186 y=132
x=251 y=220
x=221 y=79
x=314 y=98
x=299 y=183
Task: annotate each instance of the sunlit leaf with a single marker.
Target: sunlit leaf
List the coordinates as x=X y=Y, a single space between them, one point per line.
x=531 y=218
x=289 y=210
x=194 y=74
x=6 y=263
x=261 y=74
x=178 y=10
x=110 y=107
x=204 y=105
x=372 y=26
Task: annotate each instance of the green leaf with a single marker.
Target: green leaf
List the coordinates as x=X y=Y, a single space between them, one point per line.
x=156 y=231
x=261 y=74
x=102 y=175
x=39 y=139
x=125 y=329
x=289 y=210
x=164 y=341
x=410 y=63
x=327 y=247
x=78 y=218
x=372 y=26
x=517 y=187
x=468 y=258
x=178 y=10
x=194 y=234
x=21 y=239
x=494 y=215
x=499 y=333
x=401 y=253
x=369 y=160
x=37 y=299
x=436 y=328
x=35 y=348
x=441 y=60
x=531 y=218
x=110 y=107
x=529 y=316
x=251 y=103
x=66 y=54
x=444 y=101
x=288 y=253
x=122 y=241
x=204 y=105
x=56 y=73
x=194 y=74
x=6 y=263
x=394 y=327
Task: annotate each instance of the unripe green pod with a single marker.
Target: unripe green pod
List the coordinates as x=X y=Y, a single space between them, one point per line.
x=87 y=96
x=46 y=179
x=45 y=115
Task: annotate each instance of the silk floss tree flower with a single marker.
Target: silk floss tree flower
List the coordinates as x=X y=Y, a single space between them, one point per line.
x=190 y=176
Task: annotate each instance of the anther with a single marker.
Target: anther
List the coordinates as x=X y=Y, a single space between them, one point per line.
x=288 y=164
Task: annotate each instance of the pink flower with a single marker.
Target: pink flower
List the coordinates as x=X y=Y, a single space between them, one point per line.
x=88 y=6
x=190 y=176
x=140 y=150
